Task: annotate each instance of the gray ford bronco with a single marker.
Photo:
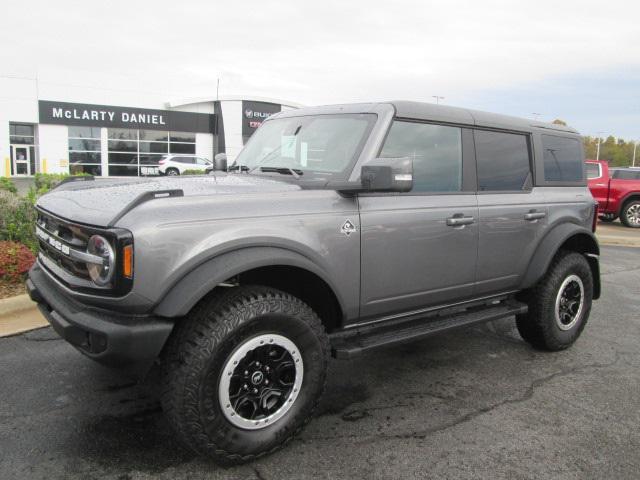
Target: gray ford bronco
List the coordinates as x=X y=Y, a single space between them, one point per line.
x=337 y=230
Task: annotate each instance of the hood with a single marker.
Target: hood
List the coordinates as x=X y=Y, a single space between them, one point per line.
x=101 y=201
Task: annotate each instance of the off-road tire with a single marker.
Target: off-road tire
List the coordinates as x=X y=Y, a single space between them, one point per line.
x=195 y=356
x=624 y=212
x=539 y=326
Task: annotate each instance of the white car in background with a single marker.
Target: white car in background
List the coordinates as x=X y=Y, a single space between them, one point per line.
x=177 y=164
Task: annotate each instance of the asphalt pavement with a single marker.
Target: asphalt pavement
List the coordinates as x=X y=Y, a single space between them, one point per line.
x=474 y=403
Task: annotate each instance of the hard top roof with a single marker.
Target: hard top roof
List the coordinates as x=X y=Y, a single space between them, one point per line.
x=433 y=112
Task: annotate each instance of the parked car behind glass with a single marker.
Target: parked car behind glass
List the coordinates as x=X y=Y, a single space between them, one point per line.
x=177 y=164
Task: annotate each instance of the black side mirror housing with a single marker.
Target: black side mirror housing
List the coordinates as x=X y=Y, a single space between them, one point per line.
x=220 y=162
x=387 y=175
x=381 y=175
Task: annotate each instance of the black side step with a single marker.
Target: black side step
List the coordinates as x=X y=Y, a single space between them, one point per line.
x=347 y=345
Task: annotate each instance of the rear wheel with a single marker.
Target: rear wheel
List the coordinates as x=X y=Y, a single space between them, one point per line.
x=559 y=305
x=630 y=214
x=172 y=172
x=244 y=373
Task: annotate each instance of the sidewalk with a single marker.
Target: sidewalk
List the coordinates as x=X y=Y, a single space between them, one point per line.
x=616 y=234
x=19 y=314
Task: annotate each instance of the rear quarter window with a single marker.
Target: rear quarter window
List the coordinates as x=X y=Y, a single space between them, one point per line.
x=563 y=160
x=593 y=170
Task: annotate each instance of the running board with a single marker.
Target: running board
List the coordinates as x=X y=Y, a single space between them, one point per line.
x=347 y=344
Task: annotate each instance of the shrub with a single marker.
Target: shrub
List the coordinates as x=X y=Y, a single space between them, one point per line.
x=15 y=261
x=193 y=172
x=17 y=220
x=8 y=185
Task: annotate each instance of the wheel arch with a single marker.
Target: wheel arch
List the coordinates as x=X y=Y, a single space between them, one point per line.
x=569 y=237
x=626 y=199
x=274 y=267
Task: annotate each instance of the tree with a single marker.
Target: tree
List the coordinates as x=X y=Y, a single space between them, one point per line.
x=557 y=121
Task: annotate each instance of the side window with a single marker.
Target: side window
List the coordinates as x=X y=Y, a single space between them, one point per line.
x=436 y=151
x=563 y=160
x=201 y=161
x=593 y=170
x=503 y=160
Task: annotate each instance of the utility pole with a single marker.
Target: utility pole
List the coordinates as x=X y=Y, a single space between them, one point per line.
x=438 y=98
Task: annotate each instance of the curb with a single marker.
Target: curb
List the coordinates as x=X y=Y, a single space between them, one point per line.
x=15 y=304
x=19 y=314
x=613 y=241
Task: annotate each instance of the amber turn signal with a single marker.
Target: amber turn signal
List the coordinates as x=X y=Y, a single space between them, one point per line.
x=127 y=261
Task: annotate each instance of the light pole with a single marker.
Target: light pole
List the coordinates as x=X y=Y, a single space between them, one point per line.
x=598 y=149
x=438 y=98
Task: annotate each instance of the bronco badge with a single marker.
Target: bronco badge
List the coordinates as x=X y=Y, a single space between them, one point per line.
x=348 y=228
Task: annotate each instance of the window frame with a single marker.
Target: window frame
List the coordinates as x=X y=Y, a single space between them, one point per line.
x=539 y=147
x=530 y=182
x=469 y=173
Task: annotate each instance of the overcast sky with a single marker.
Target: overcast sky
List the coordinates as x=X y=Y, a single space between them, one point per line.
x=579 y=61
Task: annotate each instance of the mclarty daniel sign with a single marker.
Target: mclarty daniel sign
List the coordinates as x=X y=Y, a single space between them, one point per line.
x=64 y=113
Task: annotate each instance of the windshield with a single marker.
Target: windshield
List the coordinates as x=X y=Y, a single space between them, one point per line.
x=312 y=145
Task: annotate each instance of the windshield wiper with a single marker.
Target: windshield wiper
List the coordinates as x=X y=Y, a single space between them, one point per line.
x=283 y=171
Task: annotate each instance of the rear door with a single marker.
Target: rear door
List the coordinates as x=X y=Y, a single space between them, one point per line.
x=513 y=215
x=419 y=249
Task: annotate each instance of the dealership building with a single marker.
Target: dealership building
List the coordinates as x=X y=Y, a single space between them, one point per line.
x=51 y=128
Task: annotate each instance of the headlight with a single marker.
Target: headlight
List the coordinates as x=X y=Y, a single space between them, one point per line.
x=101 y=274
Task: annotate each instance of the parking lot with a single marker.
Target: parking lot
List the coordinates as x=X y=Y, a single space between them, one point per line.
x=475 y=403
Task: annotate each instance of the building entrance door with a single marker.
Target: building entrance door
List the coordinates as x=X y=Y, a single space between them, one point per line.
x=21 y=160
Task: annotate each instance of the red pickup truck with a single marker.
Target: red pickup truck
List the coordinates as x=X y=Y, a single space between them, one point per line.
x=617 y=192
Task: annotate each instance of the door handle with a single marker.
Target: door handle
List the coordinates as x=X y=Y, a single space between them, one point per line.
x=459 y=221
x=534 y=215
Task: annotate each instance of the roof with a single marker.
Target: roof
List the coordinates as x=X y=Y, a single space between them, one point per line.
x=439 y=113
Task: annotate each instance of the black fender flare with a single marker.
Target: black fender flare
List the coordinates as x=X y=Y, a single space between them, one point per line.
x=552 y=242
x=192 y=287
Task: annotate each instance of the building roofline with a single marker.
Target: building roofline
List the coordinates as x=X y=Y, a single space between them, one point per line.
x=230 y=98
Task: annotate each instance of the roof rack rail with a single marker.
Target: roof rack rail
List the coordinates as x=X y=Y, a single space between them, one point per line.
x=145 y=197
x=74 y=178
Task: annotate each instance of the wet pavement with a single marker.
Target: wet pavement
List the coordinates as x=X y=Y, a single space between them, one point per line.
x=474 y=403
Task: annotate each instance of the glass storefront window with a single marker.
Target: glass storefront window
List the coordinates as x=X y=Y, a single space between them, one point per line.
x=182 y=137
x=85 y=148
x=137 y=152
x=182 y=148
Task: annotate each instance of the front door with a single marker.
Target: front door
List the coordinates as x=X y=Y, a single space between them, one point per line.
x=21 y=160
x=419 y=249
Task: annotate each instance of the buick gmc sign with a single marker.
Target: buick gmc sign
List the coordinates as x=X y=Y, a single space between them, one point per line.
x=255 y=113
x=64 y=113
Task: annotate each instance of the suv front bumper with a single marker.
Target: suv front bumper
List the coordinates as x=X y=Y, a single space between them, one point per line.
x=129 y=342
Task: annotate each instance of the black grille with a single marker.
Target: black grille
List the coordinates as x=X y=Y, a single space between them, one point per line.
x=57 y=238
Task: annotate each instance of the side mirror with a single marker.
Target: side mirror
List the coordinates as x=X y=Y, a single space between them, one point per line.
x=220 y=162
x=387 y=175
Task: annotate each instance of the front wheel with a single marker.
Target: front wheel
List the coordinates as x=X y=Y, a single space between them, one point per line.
x=244 y=373
x=630 y=215
x=559 y=305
